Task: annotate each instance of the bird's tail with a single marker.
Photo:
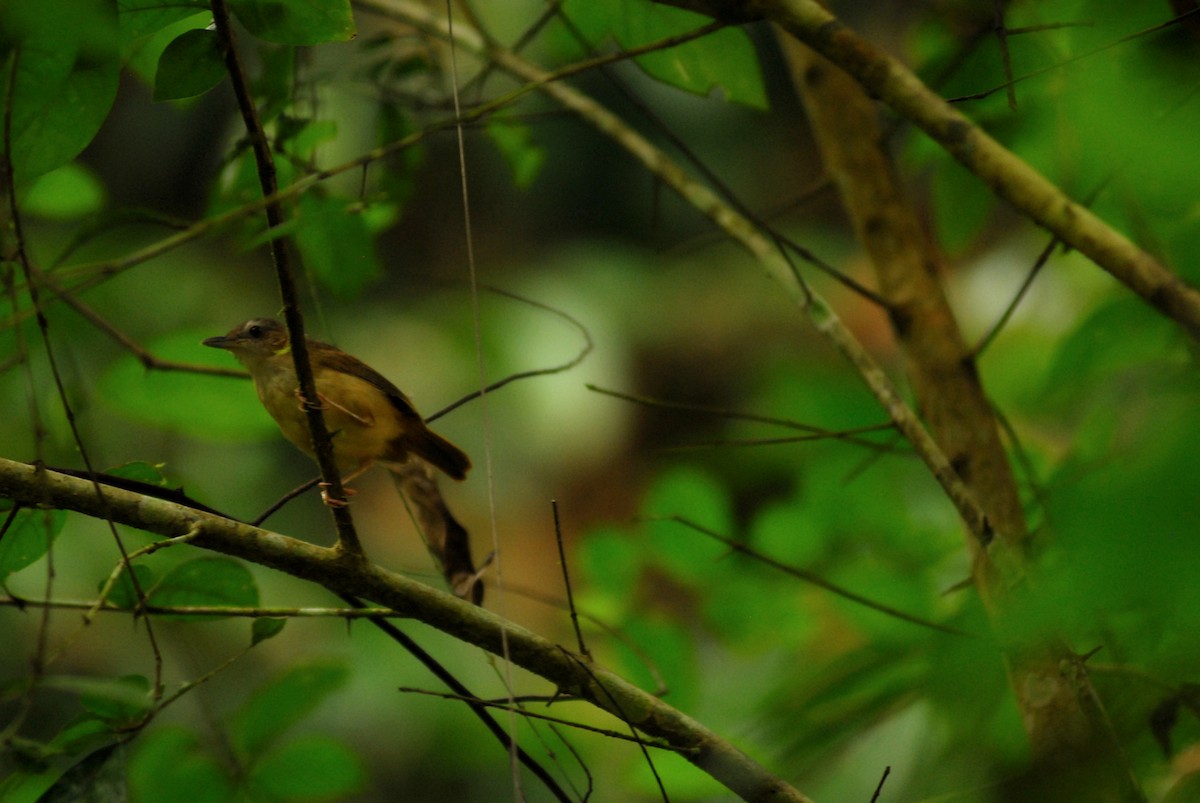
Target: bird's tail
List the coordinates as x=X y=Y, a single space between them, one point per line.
x=433 y=448
x=446 y=539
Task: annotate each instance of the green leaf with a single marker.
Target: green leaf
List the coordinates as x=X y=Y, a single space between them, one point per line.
x=123 y=593
x=209 y=582
x=142 y=18
x=140 y=471
x=961 y=206
x=290 y=23
x=213 y=408
x=170 y=766
x=265 y=628
x=685 y=492
x=784 y=531
x=337 y=245
x=723 y=59
x=312 y=767
x=65 y=81
x=29 y=537
x=670 y=649
x=281 y=704
x=98 y=778
x=191 y=65
x=514 y=140
x=71 y=191
x=121 y=701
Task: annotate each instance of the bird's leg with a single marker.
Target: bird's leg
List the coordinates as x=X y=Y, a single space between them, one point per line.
x=365 y=420
x=346 y=480
x=306 y=405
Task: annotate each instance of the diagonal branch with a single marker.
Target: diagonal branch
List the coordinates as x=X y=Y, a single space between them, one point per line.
x=1009 y=177
x=570 y=673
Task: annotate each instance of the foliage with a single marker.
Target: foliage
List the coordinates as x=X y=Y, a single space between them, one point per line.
x=725 y=550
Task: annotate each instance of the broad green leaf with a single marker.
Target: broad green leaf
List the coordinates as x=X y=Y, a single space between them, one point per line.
x=668 y=647
x=689 y=555
x=723 y=59
x=961 y=205
x=784 y=531
x=69 y=192
x=515 y=141
x=170 y=766
x=337 y=245
x=292 y=23
x=98 y=778
x=191 y=65
x=141 y=471
x=121 y=700
x=265 y=628
x=144 y=54
x=123 y=593
x=140 y=18
x=29 y=537
x=65 y=81
x=1101 y=347
x=206 y=581
x=309 y=767
x=279 y=705
x=215 y=408
x=751 y=608
x=610 y=559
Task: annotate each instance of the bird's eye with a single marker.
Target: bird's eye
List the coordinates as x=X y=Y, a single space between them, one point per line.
x=255 y=331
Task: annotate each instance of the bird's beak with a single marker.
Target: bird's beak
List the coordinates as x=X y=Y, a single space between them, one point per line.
x=220 y=342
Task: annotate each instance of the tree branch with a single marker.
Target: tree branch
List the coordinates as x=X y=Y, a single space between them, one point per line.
x=1008 y=176
x=1065 y=720
x=342 y=574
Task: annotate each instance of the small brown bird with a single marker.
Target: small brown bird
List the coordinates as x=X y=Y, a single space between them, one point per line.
x=370 y=420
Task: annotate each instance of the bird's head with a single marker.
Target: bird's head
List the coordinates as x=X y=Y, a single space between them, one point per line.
x=255 y=340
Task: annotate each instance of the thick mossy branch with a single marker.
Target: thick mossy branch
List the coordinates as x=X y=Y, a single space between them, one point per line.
x=344 y=574
x=1007 y=175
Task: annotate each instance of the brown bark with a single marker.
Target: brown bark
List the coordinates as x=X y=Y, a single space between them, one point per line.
x=1067 y=727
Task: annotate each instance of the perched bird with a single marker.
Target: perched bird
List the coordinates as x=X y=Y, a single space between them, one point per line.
x=370 y=420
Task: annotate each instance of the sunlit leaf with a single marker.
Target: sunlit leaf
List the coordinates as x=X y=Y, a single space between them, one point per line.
x=69 y=192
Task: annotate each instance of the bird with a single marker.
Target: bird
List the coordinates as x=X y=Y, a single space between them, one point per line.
x=370 y=420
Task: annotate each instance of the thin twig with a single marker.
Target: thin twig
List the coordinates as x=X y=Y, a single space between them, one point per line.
x=524 y=712
x=562 y=560
x=811 y=577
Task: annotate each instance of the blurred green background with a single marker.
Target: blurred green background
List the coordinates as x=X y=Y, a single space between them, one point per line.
x=1100 y=394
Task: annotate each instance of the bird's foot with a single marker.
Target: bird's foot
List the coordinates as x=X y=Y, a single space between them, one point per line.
x=306 y=405
x=333 y=501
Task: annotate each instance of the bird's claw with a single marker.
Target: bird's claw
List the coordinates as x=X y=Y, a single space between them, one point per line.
x=306 y=405
x=333 y=501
